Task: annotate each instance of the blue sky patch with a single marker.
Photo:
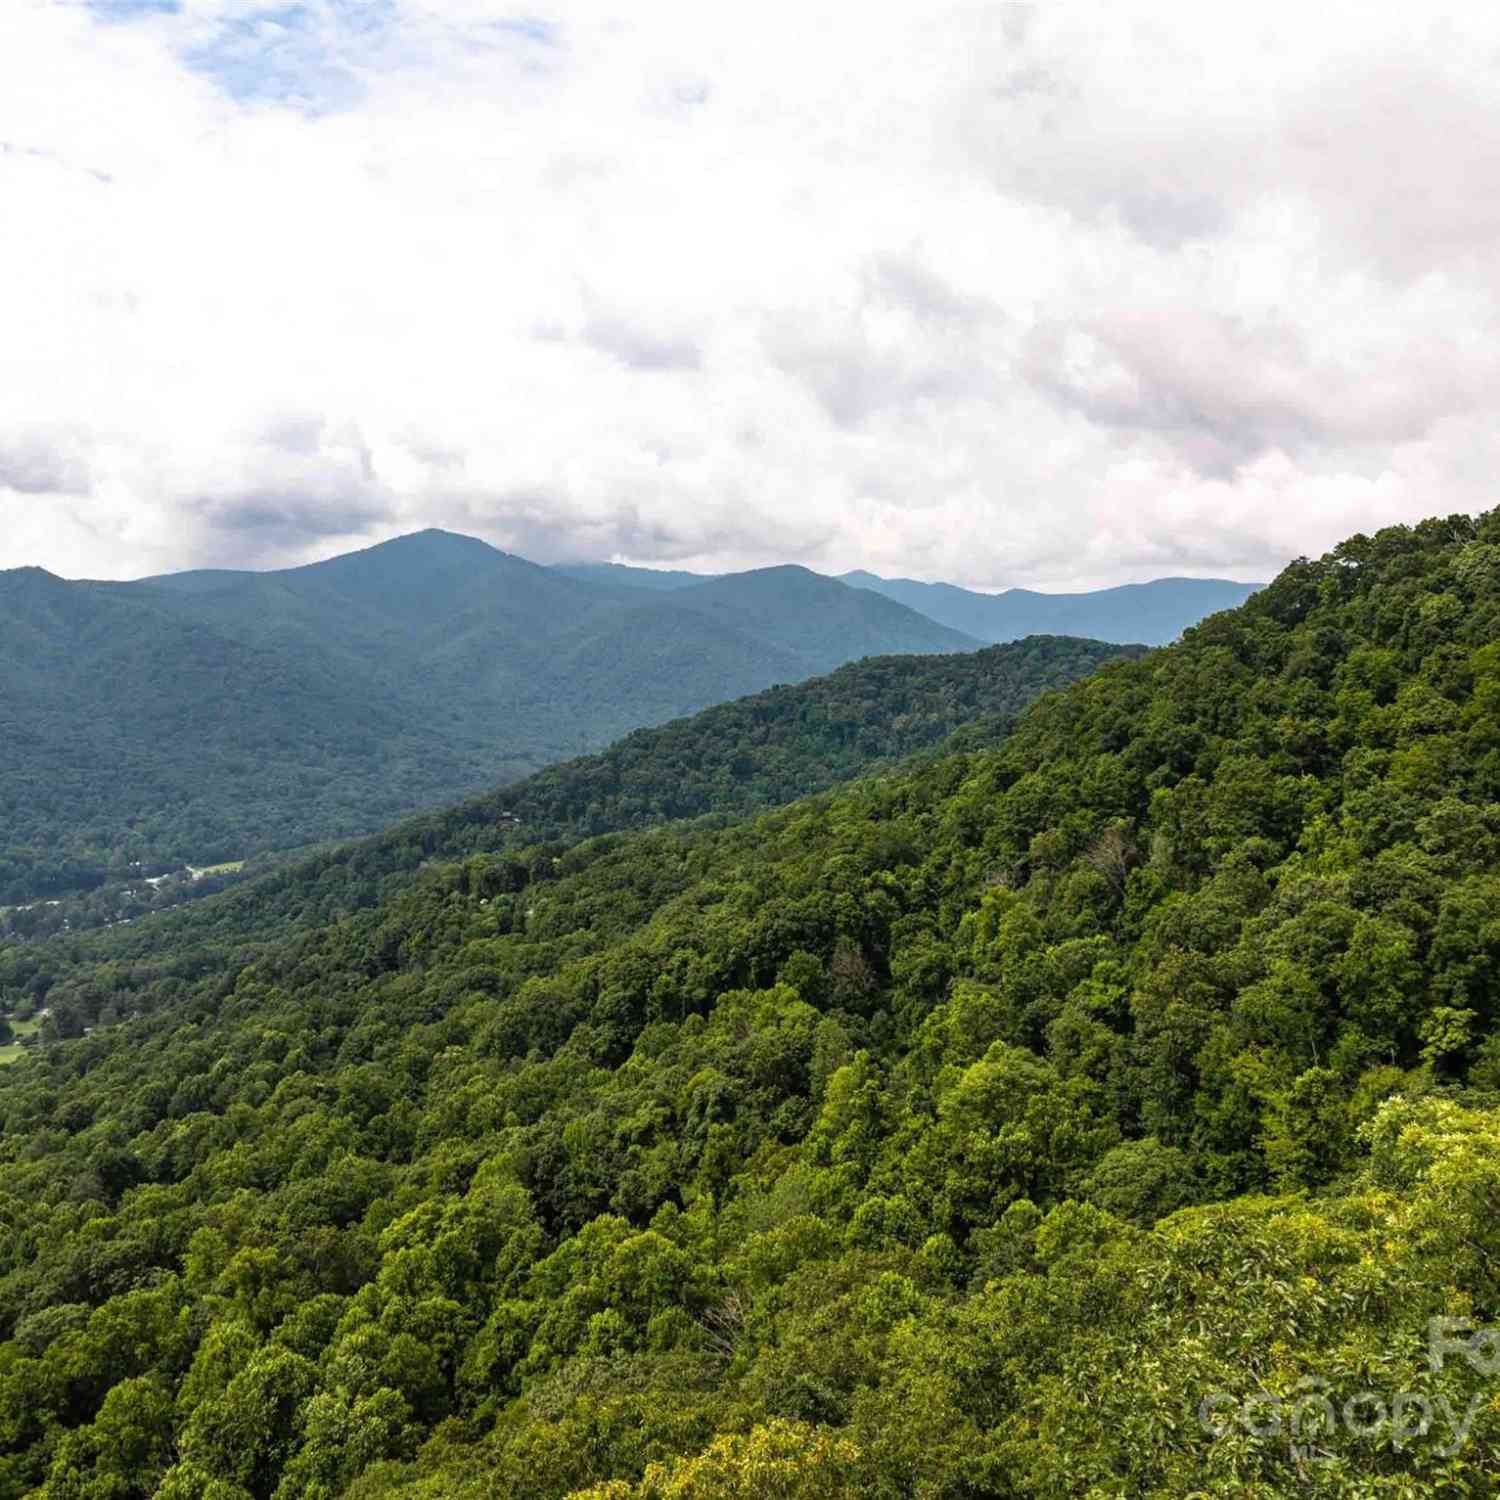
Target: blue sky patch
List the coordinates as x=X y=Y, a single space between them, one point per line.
x=314 y=55
x=302 y=55
x=133 y=10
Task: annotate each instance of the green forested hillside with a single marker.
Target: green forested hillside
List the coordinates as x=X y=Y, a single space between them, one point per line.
x=1108 y=1113
x=205 y=717
x=129 y=733
x=731 y=760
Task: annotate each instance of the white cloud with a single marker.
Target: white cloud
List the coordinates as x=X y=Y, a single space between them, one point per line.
x=1059 y=294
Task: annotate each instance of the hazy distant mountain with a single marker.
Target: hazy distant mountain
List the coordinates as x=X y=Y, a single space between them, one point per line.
x=1154 y=613
x=211 y=714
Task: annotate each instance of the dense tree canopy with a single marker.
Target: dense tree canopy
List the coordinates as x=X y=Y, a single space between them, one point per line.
x=1111 y=1112
x=736 y=758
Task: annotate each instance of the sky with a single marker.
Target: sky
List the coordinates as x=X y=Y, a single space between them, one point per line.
x=1059 y=295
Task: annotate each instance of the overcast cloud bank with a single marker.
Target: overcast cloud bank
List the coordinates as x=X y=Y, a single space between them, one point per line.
x=1056 y=295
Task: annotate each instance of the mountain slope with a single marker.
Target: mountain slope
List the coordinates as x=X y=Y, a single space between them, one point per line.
x=798 y=609
x=402 y=606
x=731 y=636
x=1155 y=612
x=1107 y=1112
x=208 y=716
x=123 y=726
x=734 y=759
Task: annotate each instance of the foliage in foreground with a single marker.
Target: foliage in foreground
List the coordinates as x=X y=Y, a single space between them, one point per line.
x=959 y=1133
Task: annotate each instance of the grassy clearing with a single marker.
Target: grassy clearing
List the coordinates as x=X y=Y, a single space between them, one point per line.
x=229 y=867
x=14 y=1051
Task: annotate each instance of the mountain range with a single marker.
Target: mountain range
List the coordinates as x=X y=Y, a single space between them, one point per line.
x=1147 y=613
x=211 y=715
x=1151 y=613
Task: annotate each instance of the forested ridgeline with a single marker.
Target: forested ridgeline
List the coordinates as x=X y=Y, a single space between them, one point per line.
x=1107 y=1113
x=728 y=761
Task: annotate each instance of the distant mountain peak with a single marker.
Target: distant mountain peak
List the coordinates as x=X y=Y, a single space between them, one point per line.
x=418 y=561
x=31 y=582
x=430 y=542
x=436 y=536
